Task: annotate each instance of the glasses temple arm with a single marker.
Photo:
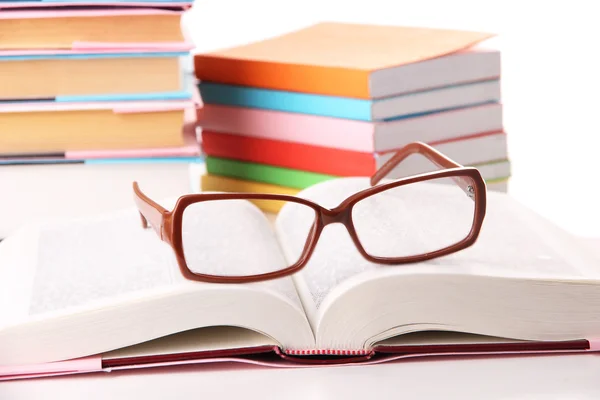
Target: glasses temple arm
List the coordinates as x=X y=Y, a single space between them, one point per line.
x=152 y=214
x=437 y=158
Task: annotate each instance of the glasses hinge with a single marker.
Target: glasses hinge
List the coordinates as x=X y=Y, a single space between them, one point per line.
x=471 y=192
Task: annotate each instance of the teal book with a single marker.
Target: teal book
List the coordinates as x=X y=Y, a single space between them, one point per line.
x=390 y=108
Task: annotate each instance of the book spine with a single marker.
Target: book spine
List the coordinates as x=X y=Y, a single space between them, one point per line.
x=332 y=81
x=290 y=127
x=215 y=183
x=327 y=352
x=306 y=157
x=291 y=178
x=279 y=100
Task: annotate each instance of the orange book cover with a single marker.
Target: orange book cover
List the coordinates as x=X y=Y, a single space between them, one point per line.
x=330 y=58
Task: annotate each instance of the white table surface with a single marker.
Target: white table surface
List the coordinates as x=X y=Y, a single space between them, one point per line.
x=550 y=87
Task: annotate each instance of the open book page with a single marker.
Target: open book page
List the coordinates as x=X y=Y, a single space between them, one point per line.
x=16 y=278
x=98 y=261
x=514 y=242
x=103 y=258
x=99 y=258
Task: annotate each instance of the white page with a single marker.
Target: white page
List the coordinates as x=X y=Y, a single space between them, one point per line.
x=16 y=277
x=91 y=259
x=514 y=242
x=98 y=260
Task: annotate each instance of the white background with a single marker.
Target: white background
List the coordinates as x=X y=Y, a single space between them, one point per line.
x=550 y=79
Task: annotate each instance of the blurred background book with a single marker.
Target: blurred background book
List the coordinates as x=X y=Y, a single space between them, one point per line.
x=336 y=99
x=547 y=69
x=97 y=97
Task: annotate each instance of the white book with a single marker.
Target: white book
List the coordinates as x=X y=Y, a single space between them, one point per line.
x=103 y=286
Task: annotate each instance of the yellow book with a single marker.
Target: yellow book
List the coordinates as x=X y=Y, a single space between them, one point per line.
x=53 y=76
x=69 y=29
x=57 y=127
x=215 y=183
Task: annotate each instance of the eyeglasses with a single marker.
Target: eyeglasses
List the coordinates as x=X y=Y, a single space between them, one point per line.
x=224 y=238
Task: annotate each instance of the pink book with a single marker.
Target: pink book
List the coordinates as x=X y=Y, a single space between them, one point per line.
x=345 y=134
x=101 y=294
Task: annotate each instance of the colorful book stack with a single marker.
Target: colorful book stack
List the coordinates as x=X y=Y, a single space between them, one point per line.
x=338 y=99
x=92 y=97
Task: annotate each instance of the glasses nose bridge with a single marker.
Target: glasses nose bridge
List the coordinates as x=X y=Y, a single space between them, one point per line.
x=335 y=215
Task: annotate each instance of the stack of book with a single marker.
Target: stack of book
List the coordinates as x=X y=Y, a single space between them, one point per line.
x=93 y=97
x=339 y=99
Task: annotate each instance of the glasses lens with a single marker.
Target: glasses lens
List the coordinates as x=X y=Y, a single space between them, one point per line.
x=417 y=218
x=238 y=237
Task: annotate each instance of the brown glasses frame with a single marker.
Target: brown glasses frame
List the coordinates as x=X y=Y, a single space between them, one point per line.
x=168 y=224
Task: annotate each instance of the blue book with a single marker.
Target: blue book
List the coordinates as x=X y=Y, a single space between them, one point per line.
x=390 y=108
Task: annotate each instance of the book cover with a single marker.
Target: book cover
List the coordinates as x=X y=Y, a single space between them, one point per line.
x=338 y=59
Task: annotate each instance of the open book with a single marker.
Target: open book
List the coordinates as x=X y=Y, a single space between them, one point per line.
x=101 y=293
